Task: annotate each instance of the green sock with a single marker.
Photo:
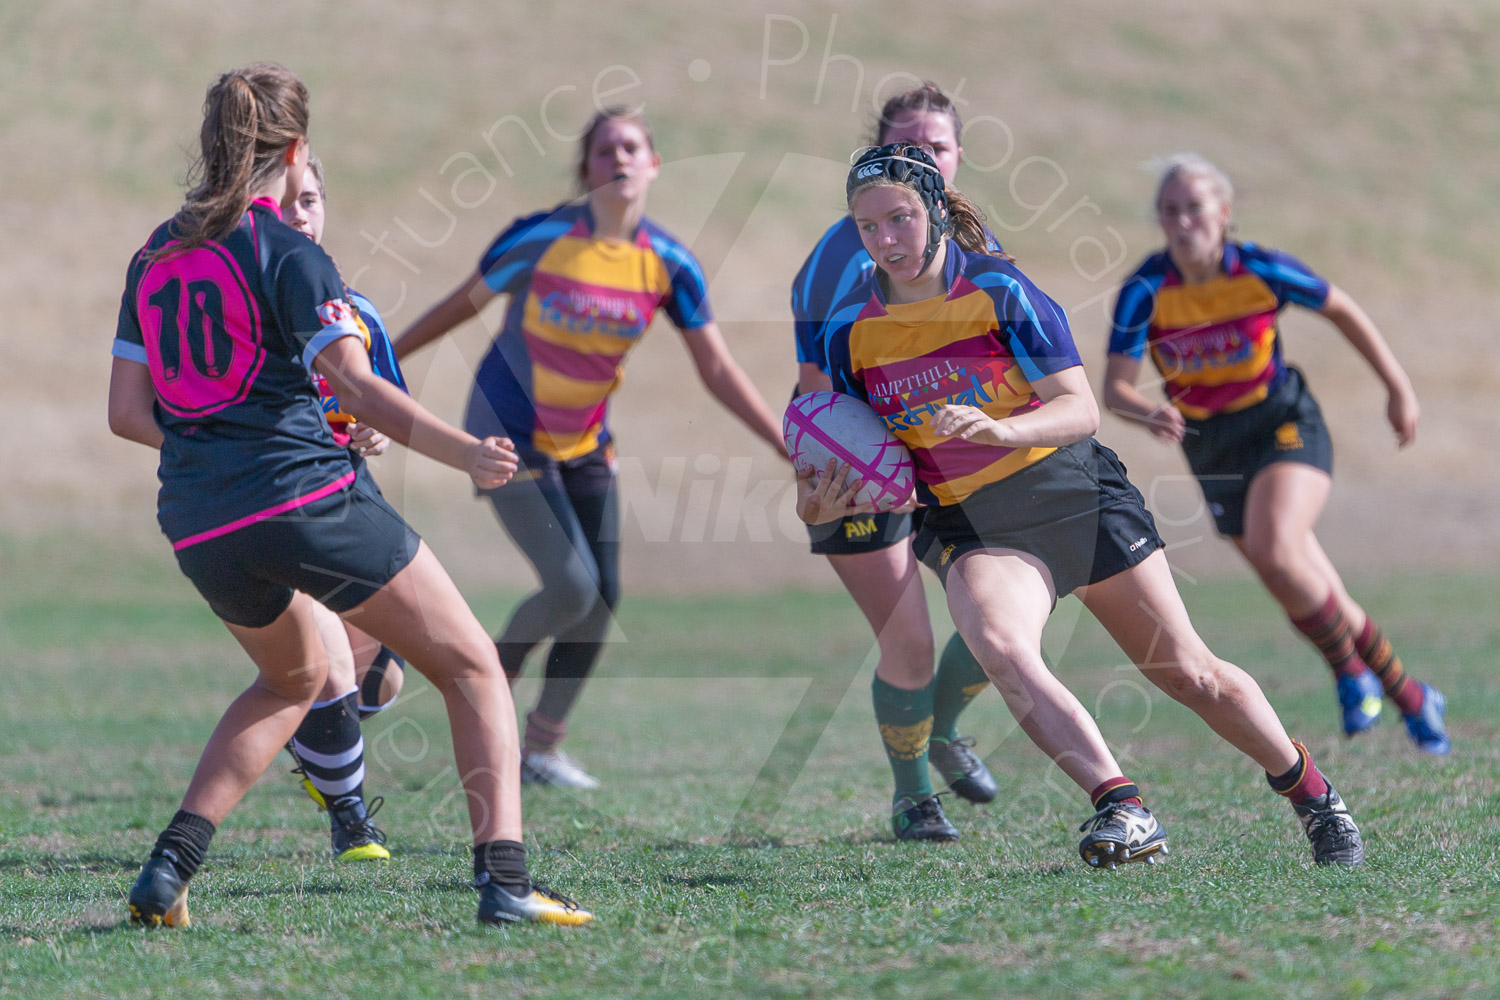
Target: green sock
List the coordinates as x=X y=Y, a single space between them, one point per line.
x=905 y=720
x=959 y=680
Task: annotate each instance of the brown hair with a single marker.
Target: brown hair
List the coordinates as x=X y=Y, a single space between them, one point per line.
x=251 y=117
x=965 y=221
x=966 y=225
x=635 y=114
x=928 y=97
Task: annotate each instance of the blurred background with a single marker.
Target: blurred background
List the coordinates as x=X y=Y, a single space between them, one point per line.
x=1360 y=137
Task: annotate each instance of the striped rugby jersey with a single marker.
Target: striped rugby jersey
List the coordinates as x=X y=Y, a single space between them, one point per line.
x=577 y=306
x=983 y=344
x=1215 y=343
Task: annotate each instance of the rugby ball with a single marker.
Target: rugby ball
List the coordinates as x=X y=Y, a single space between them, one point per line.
x=823 y=425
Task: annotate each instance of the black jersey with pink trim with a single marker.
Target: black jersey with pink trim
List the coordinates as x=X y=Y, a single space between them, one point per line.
x=229 y=331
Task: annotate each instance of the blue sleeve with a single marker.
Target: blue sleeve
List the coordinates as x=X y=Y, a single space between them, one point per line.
x=508 y=262
x=839 y=359
x=804 y=325
x=1035 y=328
x=687 y=302
x=831 y=272
x=382 y=351
x=1134 y=307
x=1290 y=279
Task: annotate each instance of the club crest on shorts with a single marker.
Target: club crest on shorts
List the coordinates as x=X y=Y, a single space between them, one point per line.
x=1288 y=438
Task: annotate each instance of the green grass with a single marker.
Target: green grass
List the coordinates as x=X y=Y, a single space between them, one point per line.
x=706 y=882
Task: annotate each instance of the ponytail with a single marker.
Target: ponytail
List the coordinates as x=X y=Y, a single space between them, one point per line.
x=251 y=117
x=966 y=226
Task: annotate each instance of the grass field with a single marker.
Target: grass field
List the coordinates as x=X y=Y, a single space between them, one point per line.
x=716 y=866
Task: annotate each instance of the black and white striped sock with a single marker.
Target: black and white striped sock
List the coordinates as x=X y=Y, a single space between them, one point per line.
x=331 y=749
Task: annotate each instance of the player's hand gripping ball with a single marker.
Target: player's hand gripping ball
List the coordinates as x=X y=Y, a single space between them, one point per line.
x=823 y=425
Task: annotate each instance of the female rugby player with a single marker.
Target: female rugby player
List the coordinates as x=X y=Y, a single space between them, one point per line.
x=917 y=711
x=1206 y=306
x=974 y=369
x=584 y=280
x=227 y=314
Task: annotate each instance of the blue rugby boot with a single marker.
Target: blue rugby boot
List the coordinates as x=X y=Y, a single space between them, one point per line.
x=1426 y=726
x=1361 y=698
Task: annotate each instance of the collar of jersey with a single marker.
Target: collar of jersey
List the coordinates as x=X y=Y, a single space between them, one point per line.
x=923 y=311
x=269 y=204
x=1227 y=266
x=619 y=247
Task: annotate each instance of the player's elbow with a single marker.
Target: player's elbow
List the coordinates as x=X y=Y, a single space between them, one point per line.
x=125 y=420
x=1086 y=412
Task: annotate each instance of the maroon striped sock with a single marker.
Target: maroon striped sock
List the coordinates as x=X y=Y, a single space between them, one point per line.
x=1304 y=781
x=1376 y=650
x=1327 y=629
x=1120 y=789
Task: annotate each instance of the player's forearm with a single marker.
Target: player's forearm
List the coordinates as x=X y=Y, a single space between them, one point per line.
x=436 y=322
x=132 y=400
x=132 y=428
x=392 y=412
x=1061 y=420
x=1125 y=400
x=1362 y=333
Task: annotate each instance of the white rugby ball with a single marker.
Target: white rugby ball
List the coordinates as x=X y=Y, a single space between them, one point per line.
x=823 y=425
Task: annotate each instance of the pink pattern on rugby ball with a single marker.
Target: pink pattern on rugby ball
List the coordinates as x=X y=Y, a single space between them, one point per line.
x=823 y=425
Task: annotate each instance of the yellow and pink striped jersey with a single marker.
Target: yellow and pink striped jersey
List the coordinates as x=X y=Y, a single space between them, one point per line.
x=578 y=304
x=982 y=344
x=1215 y=343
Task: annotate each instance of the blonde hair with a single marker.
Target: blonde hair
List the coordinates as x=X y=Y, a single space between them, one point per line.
x=251 y=117
x=1169 y=168
x=315 y=167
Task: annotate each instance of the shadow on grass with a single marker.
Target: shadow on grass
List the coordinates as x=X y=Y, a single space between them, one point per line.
x=101 y=863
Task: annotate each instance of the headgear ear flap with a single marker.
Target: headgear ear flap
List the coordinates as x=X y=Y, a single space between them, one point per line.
x=910 y=166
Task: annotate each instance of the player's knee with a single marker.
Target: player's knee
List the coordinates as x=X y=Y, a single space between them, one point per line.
x=1277 y=558
x=571 y=595
x=302 y=685
x=1007 y=660
x=908 y=652
x=1197 y=678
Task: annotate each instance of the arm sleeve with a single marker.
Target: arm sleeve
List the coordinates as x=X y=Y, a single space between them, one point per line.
x=1290 y=279
x=686 y=303
x=1034 y=327
x=311 y=303
x=805 y=325
x=130 y=342
x=840 y=363
x=1131 y=327
x=509 y=261
x=382 y=352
